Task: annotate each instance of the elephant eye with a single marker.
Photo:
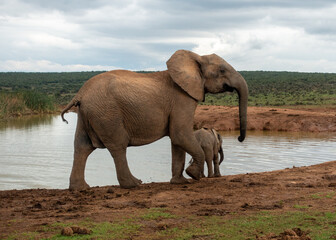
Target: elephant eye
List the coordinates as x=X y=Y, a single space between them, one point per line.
x=222 y=71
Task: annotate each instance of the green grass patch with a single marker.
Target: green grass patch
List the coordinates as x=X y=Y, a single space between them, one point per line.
x=104 y=230
x=320 y=225
x=27 y=236
x=323 y=195
x=297 y=206
x=157 y=213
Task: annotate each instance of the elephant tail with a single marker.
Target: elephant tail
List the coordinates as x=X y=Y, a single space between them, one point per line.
x=73 y=102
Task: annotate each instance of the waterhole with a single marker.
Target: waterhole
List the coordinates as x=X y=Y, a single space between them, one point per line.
x=37 y=152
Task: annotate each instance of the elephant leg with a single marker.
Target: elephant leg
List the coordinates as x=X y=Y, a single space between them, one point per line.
x=189 y=144
x=195 y=150
x=124 y=175
x=83 y=148
x=216 y=165
x=202 y=171
x=178 y=155
x=208 y=159
x=115 y=138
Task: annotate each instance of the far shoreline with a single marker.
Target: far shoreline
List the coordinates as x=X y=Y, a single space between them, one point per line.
x=283 y=118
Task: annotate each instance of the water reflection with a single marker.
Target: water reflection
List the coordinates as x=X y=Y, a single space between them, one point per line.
x=37 y=152
x=26 y=122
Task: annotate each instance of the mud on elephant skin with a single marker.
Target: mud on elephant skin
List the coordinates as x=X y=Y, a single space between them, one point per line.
x=211 y=142
x=121 y=108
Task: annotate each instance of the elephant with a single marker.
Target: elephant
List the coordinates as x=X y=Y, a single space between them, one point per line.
x=211 y=143
x=121 y=108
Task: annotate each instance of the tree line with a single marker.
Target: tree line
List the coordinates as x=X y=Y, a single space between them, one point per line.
x=266 y=88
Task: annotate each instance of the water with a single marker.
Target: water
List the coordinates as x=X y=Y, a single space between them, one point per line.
x=37 y=152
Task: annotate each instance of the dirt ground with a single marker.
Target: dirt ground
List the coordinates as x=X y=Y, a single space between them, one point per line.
x=264 y=118
x=227 y=196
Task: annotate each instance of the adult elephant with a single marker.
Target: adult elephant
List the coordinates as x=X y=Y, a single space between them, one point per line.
x=121 y=108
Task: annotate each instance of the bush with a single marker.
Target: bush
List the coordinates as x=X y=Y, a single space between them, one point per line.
x=38 y=102
x=20 y=103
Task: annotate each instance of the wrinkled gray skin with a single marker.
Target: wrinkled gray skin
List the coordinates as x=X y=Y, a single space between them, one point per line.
x=121 y=108
x=211 y=143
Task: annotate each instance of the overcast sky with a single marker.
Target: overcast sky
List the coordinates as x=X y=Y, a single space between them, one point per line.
x=85 y=35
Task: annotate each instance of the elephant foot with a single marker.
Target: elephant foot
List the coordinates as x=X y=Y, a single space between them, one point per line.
x=211 y=175
x=194 y=172
x=179 y=180
x=217 y=175
x=78 y=185
x=130 y=183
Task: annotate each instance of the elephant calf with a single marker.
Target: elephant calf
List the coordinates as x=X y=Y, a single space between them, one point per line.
x=211 y=143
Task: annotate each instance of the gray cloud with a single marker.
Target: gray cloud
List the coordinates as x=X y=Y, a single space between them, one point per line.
x=252 y=35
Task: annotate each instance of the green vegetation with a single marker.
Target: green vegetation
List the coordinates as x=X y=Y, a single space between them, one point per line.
x=324 y=195
x=104 y=230
x=61 y=86
x=282 y=89
x=156 y=213
x=319 y=225
x=24 y=93
x=297 y=206
x=25 y=102
x=265 y=89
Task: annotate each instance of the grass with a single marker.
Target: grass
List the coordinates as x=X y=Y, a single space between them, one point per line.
x=157 y=213
x=297 y=206
x=24 y=102
x=320 y=225
x=37 y=101
x=103 y=230
x=323 y=195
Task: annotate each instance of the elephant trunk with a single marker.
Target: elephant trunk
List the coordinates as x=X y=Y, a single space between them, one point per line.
x=221 y=153
x=242 y=90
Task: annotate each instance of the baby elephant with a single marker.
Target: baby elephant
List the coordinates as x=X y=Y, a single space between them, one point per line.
x=211 y=143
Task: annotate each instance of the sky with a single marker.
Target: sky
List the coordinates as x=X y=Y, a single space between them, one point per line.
x=89 y=35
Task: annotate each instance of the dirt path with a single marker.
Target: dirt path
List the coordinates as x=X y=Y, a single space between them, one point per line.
x=277 y=191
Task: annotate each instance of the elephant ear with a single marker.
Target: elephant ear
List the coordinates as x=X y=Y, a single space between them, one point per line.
x=184 y=69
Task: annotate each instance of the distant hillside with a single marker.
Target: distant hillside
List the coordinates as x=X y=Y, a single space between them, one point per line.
x=283 y=88
x=266 y=88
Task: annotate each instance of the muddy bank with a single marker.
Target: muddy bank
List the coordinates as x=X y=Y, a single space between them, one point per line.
x=227 y=196
x=268 y=118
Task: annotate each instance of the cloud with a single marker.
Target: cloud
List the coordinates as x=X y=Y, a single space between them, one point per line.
x=47 y=66
x=134 y=34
